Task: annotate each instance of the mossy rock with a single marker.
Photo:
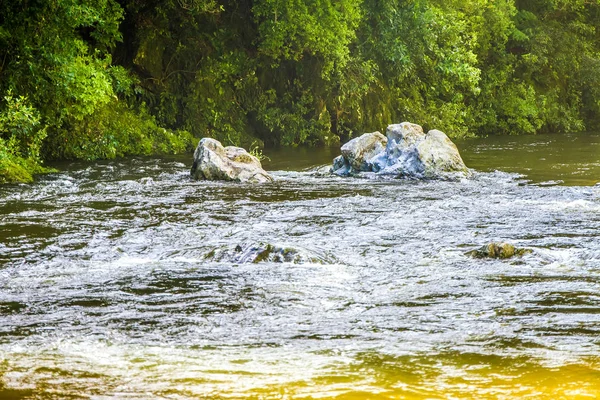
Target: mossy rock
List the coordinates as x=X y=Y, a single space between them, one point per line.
x=212 y=161
x=499 y=251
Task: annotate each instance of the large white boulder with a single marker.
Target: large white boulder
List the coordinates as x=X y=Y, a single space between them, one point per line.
x=212 y=161
x=408 y=152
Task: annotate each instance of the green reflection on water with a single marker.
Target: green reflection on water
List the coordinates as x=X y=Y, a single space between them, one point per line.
x=572 y=159
x=565 y=159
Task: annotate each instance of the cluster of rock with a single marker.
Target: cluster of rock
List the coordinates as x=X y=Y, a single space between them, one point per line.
x=212 y=161
x=405 y=151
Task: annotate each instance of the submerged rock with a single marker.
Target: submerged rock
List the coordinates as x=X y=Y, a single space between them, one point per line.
x=212 y=161
x=407 y=151
x=498 y=250
x=254 y=253
x=323 y=170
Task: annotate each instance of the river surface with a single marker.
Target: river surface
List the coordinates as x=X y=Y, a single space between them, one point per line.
x=126 y=280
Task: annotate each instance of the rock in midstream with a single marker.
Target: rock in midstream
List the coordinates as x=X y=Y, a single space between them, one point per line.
x=256 y=252
x=498 y=250
x=405 y=151
x=212 y=161
x=359 y=152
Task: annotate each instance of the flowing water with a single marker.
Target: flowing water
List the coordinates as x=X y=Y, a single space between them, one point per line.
x=125 y=279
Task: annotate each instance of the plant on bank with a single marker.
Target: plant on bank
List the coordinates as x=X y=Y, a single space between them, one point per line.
x=64 y=96
x=21 y=136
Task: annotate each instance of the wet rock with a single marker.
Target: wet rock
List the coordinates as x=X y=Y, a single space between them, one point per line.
x=439 y=155
x=340 y=166
x=254 y=253
x=498 y=250
x=402 y=136
x=408 y=152
x=358 y=153
x=324 y=170
x=212 y=161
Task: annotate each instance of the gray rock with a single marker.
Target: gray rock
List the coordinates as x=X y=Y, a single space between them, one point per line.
x=341 y=166
x=405 y=163
x=212 y=161
x=402 y=136
x=358 y=152
x=438 y=155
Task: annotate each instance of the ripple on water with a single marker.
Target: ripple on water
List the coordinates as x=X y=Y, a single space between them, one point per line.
x=124 y=279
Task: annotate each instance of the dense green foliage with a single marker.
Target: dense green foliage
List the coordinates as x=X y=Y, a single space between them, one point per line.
x=105 y=78
x=63 y=95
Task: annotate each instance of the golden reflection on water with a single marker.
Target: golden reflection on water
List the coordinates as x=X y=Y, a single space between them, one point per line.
x=515 y=379
x=371 y=376
x=131 y=309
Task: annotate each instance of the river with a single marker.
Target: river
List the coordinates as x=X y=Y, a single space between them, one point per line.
x=124 y=279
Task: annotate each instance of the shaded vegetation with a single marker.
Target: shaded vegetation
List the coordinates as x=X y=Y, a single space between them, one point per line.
x=83 y=79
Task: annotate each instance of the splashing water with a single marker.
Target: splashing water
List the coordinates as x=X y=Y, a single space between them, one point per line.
x=124 y=280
